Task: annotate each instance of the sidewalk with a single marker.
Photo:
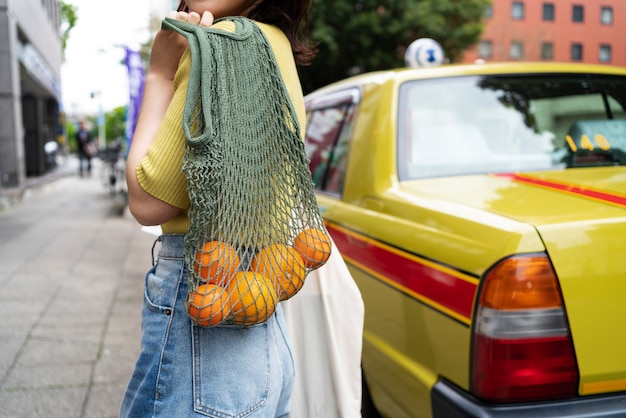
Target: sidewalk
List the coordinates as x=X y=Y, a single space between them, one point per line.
x=71 y=284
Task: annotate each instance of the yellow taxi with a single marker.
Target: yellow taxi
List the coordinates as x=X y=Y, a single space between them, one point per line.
x=481 y=210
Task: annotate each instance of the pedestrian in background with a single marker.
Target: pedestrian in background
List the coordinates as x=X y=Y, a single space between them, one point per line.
x=184 y=370
x=86 y=148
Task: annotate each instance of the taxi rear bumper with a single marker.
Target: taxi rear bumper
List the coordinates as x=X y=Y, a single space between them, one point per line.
x=448 y=401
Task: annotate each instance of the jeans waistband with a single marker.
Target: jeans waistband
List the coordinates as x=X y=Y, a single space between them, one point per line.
x=172 y=246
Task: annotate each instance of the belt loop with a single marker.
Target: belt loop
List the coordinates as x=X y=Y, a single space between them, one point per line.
x=153 y=246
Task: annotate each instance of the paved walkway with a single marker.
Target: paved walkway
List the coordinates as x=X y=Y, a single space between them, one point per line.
x=72 y=262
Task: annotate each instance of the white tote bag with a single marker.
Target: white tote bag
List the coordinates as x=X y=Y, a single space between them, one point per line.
x=325 y=321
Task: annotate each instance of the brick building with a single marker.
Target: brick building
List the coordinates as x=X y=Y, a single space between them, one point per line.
x=589 y=31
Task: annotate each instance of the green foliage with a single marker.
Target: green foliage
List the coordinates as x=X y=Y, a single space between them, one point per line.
x=68 y=20
x=70 y=135
x=115 y=124
x=368 y=35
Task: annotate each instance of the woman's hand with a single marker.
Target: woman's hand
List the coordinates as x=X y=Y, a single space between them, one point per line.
x=168 y=45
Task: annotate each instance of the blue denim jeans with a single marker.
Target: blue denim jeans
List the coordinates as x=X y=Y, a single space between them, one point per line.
x=188 y=371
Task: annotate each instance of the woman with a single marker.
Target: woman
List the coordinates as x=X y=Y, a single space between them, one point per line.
x=184 y=370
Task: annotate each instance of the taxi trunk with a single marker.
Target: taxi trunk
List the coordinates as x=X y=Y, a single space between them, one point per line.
x=580 y=217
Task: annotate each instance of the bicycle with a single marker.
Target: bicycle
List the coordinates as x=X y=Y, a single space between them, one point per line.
x=113 y=171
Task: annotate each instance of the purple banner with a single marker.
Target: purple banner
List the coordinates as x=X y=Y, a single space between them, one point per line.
x=136 y=79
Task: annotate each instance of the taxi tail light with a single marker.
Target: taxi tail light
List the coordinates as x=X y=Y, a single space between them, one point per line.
x=522 y=349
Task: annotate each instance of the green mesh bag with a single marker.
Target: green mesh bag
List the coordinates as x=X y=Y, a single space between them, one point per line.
x=255 y=228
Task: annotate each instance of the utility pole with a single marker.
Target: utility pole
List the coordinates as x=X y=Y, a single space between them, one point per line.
x=102 y=143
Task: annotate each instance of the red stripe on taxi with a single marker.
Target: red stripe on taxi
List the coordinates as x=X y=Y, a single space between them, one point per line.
x=568 y=188
x=436 y=285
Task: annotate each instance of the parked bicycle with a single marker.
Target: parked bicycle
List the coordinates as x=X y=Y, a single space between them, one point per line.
x=113 y=169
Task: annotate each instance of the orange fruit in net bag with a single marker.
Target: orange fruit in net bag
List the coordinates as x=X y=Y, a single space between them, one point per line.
x=314 y=246
x=208 y=305
x=216 y=262
x=284 y=265
x=252 y=297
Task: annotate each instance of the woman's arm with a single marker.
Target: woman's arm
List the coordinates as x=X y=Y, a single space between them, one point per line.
x=167 y=50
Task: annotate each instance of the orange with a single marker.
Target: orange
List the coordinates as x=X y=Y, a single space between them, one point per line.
x=216 y=262
x=208 y=305
x=252 y=297
x=314 y=246
x=284 y=265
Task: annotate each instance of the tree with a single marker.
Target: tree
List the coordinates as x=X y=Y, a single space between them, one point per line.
x=68 y=21
x=368 y=35
x=115 y=125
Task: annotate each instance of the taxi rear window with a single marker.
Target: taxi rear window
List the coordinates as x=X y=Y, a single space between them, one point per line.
x=514 y=123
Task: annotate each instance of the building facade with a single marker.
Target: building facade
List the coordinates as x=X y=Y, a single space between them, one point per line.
x=30 y=87
x=589 y=31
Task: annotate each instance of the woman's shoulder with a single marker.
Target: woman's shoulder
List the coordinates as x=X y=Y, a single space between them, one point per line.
x=272 y=33
x=276 y=38
x=279 y=43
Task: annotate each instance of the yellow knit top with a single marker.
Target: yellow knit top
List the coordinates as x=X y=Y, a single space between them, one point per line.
x=160 y=171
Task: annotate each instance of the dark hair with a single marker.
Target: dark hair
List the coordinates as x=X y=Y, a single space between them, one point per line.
x=182 y=7
x=290 y=16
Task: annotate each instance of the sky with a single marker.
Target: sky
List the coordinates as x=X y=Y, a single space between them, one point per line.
x=95 y=51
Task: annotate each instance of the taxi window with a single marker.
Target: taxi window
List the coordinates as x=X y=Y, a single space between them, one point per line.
x=327 y=140
x=495 y=124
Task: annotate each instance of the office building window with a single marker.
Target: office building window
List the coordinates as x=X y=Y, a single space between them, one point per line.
x=547 y=50
x=606 y=15
x=577 y=52
x=548 y=11
x=489 y=11
x=516 y=50
x=578 y=13
x=485 y=49
x=605 y=53
x=517 y=10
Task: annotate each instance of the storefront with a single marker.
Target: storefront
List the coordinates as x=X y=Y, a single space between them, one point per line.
x=30 y=89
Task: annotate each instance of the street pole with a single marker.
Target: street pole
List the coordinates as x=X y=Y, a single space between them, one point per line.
x=101 y=127
x=100 y=120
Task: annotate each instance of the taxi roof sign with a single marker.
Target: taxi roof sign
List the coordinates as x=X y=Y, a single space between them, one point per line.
x=424 y=52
